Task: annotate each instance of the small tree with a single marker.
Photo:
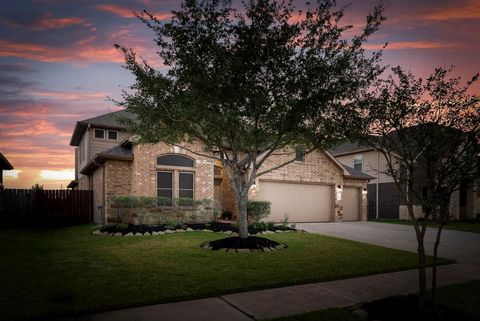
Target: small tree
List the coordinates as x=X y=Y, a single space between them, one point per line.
x=428 y=131
x=251 y=83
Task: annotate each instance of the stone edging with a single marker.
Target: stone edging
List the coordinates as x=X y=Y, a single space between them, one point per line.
x=99 y=233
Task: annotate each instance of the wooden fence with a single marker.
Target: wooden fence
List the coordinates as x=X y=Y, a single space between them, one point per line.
x=45 y=207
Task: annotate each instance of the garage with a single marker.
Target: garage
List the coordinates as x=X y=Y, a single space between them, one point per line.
x=302 y=202
x=351 y=203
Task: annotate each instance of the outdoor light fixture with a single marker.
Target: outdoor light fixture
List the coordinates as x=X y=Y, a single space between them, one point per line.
x=364 y=191
x=338 y=192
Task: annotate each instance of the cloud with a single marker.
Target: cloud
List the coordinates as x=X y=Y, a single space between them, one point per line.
x=79 y=52
x=126 y=12
x=471 y=10
x=401 y=45
x=26 y=177
x=46 y=22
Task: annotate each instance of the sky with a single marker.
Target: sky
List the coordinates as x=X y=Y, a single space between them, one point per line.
x=58 y=65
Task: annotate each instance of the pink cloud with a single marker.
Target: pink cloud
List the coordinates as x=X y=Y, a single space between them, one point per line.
x=400 y=45
x=46 y=22
x=126 y=12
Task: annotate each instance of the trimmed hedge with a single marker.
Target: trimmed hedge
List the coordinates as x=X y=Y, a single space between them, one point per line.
x=256 y=210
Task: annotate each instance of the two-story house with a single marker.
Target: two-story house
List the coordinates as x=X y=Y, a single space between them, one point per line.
x=315 y=188
x=384 y=200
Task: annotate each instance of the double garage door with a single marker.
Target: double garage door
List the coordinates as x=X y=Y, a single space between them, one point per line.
x=304 y=202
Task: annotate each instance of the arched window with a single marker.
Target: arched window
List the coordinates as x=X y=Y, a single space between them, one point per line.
x=175 y=160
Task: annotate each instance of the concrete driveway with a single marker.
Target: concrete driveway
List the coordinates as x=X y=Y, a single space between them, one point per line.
x=461 y=246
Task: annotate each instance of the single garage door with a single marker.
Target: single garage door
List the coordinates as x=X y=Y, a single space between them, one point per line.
x=301 y=202
x=351 y=203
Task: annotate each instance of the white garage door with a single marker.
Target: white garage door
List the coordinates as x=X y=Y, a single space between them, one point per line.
x=301 y=202
x=351 y=206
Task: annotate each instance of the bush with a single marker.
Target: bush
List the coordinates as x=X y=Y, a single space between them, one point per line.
x=259 y=226
x=121 y=227
x=256 y=210
x=227 y=215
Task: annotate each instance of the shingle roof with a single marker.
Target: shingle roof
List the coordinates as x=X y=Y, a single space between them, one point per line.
x=355 y=173
x=349 y=148
x=116 y=150
x=109 y=120
x=4 y=163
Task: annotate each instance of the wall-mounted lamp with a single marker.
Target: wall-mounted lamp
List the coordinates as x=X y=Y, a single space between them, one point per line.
x=364 y=191
x=338 y=192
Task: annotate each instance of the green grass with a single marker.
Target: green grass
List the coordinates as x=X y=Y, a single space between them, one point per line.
x=68 y=271
x=458 y=226
x=463 y=297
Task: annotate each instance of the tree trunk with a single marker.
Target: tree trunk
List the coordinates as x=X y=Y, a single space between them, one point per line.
x=242 y=215
x=422 y=279
x=443 y=221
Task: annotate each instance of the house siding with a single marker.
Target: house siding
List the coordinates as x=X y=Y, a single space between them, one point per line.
x=99 y=145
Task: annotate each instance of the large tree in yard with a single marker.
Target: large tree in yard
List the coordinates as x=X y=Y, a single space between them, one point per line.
x=252 y=82
x=429 y=132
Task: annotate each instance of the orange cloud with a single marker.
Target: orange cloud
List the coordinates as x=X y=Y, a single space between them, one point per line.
x=400 y=45
x=69 y=95
x=25 y=177
x=126 y=12
x=44 y=53
x=46 y=22
x=468 y=11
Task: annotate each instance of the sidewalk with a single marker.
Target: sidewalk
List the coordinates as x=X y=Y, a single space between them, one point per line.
x=271 y=303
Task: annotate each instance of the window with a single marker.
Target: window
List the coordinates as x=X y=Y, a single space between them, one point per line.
x=165 y=188
x=185 y=187
x=358 y=162
x=112 y=135
x=175 y=160
x=299 y=154
x=99 y=133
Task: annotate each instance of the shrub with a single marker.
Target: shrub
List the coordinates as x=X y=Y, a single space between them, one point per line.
x=227 y=215
x=256 y=210
x=259 y=226
x=121 y=227
x=270 y=226
x=172 y=225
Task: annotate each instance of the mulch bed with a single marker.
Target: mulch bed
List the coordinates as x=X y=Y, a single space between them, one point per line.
x=250 y=244
x=212 y=226
x=401 y=308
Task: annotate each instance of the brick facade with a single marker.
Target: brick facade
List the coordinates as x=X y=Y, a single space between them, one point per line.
x=118 y=181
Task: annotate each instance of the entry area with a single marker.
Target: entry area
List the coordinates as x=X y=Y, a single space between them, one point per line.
x=351 y=203
x=302 y=202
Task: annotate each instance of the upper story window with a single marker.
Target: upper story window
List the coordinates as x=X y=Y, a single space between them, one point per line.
x=105 y=134
x=299 y=154
x=112 y=135
x=175 y=160
x=99 y=133
x=358 y=162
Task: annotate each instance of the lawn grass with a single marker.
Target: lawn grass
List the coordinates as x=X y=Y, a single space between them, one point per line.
x=458 y=226
x=463 y=297
x=68 y=271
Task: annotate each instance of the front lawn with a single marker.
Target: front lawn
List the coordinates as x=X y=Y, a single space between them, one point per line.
x=473 y=226
x=68 y=271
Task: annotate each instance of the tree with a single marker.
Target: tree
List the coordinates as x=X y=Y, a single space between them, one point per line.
x=251 y=83
x=428 y=131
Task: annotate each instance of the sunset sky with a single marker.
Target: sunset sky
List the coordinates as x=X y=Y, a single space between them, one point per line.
x=58 y=65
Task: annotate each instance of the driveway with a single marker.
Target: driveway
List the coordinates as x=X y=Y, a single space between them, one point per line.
x=461 y=246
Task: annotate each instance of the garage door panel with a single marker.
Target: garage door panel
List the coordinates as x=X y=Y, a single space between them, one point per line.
x=301 y=202
x=351 y=203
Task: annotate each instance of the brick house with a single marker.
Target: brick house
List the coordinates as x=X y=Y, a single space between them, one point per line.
x=315 y=188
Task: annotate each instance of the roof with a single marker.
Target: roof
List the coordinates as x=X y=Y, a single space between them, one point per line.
x=110 y=121
x=4 y=163
x=355 y=173
x=73 y=184
x=118 y=152
x=349 y=148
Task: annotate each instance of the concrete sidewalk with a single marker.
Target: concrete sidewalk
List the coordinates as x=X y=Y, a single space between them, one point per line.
x=264 y=304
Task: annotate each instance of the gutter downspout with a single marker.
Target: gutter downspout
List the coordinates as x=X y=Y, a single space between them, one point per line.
x=377 y=186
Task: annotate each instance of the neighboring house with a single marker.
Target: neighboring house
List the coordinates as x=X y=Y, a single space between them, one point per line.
x=315 y=188
x=4 y=165
x=384 y=200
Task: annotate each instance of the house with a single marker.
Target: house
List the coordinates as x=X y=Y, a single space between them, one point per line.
x=384 y=200
x=4 y=165
x=315 y=188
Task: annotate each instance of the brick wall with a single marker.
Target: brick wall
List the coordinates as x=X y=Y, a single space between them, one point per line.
x=144 y=169
x=118 y=181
